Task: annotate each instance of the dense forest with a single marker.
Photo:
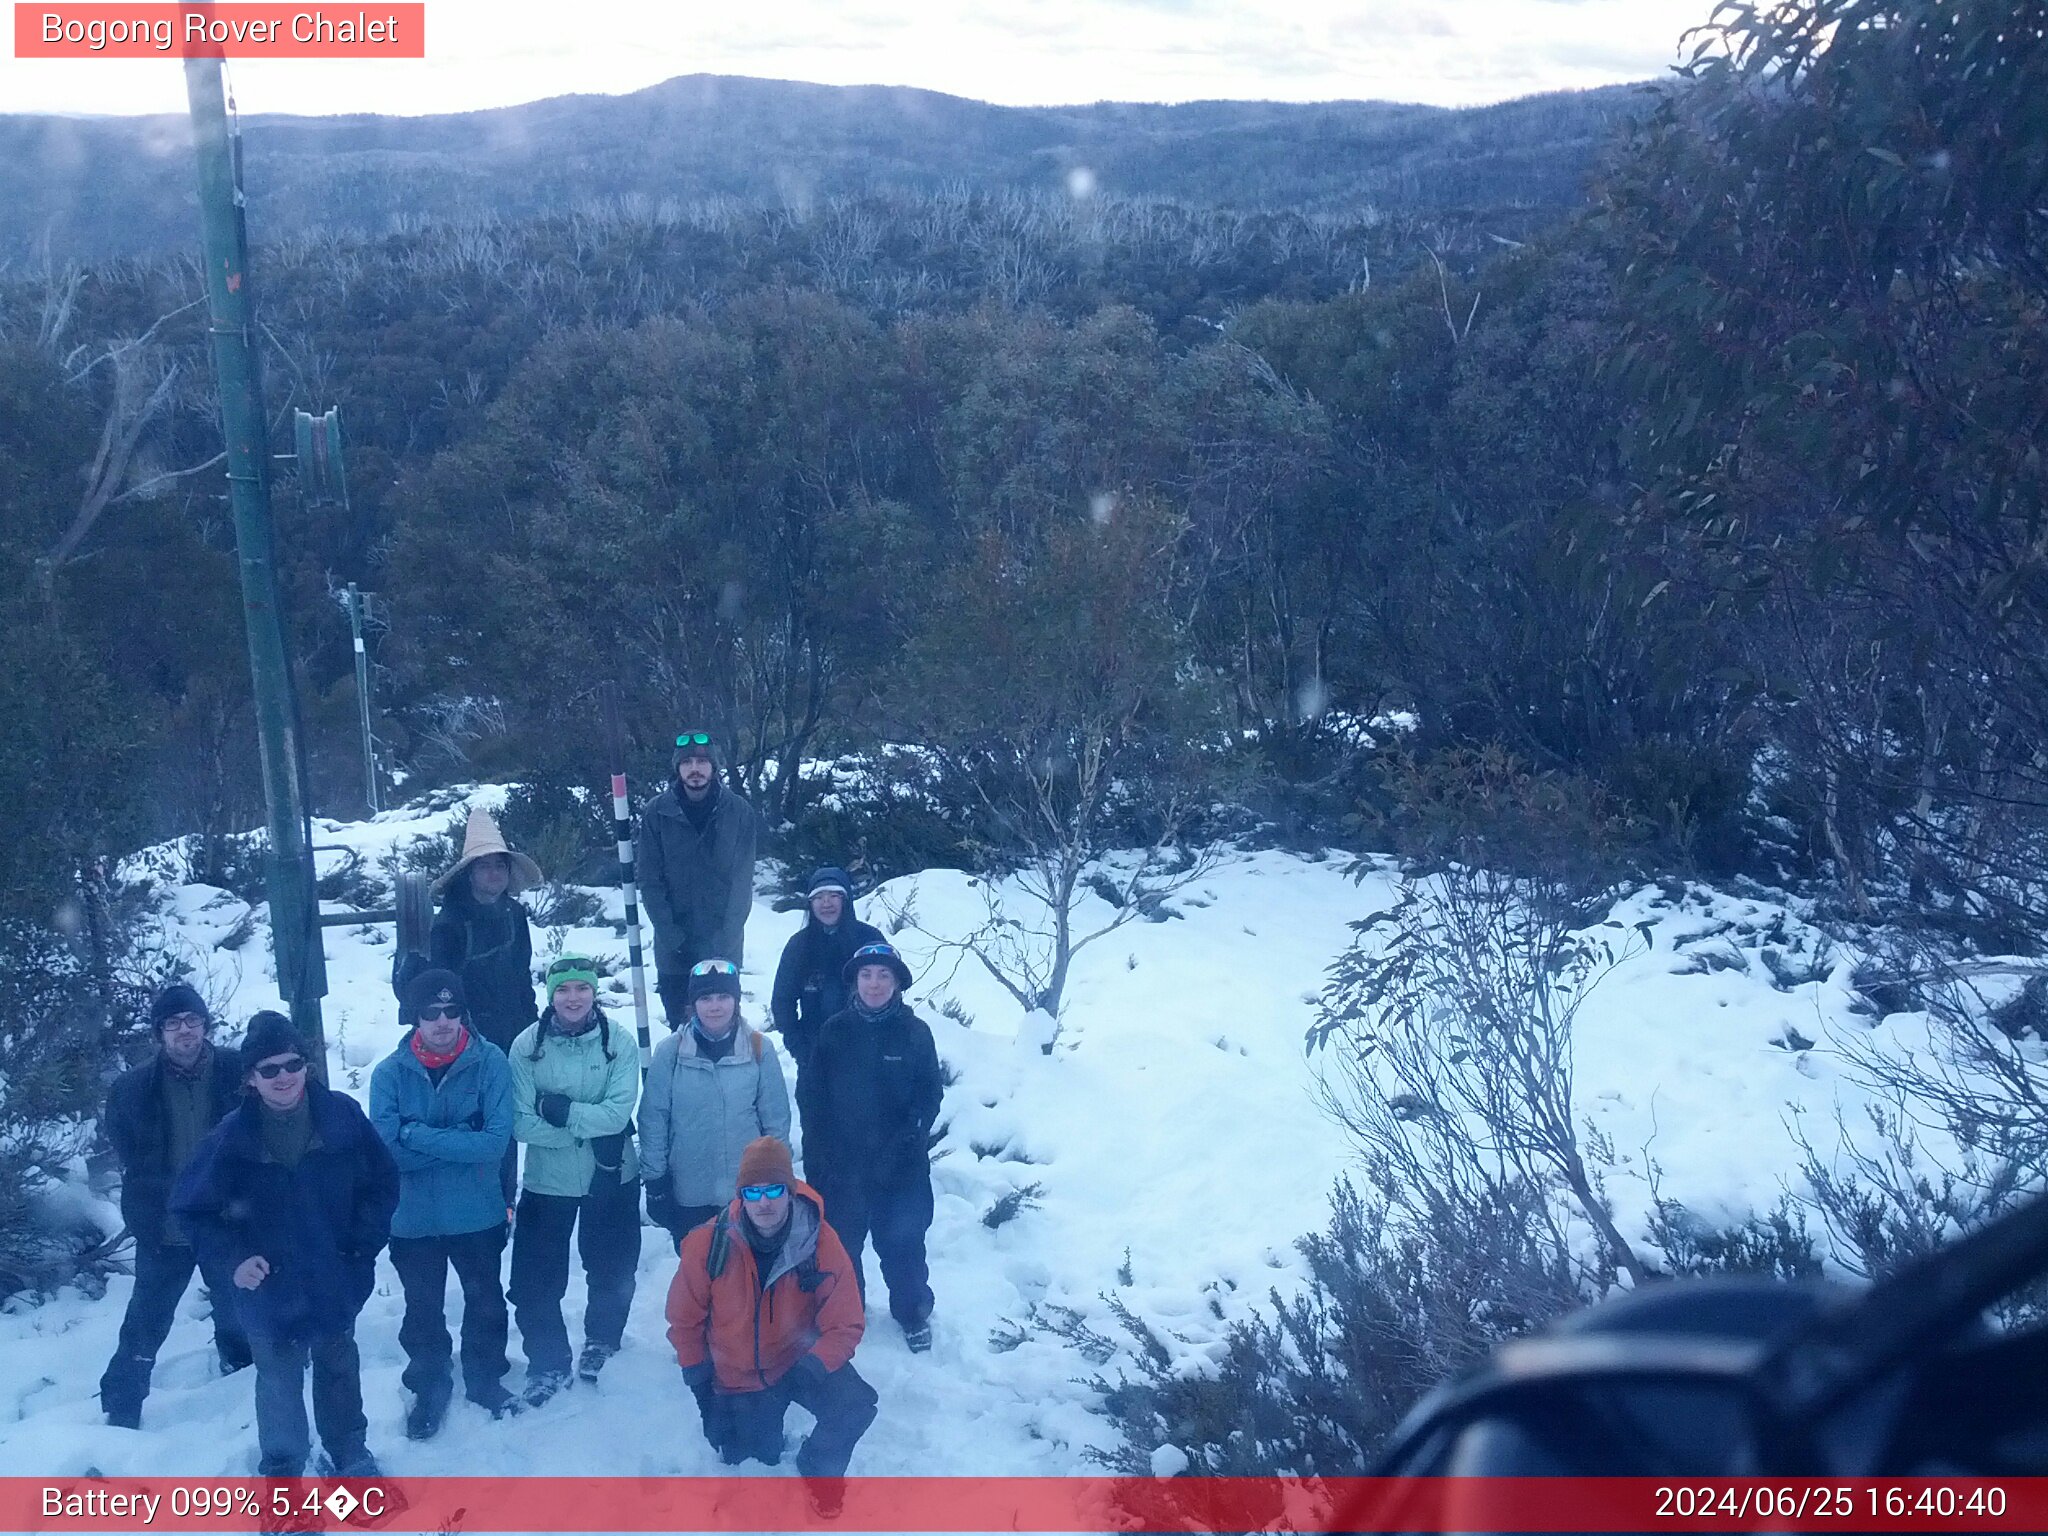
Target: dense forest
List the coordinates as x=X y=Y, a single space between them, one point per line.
x=92 y=189
x=1712 y=506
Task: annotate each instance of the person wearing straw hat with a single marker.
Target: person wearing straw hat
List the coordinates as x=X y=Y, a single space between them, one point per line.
x=481 y=932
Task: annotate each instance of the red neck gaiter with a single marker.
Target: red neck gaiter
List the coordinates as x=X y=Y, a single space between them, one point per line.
x=433 y=1061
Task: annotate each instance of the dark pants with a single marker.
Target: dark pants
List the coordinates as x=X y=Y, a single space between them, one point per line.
x=896 y=1215
x=422 y=1264
x=688 y=1218
x=607 y=1228
x=162 y=1271
x=842 y=1402
x=281 y=1434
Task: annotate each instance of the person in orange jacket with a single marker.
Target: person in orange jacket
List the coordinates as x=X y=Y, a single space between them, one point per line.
x=765 y=1311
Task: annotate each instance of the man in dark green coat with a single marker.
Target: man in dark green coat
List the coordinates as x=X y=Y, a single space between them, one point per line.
x=695 y=859
x=157 y=1115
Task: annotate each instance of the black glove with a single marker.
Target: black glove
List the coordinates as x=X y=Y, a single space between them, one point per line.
x=714 y=1410
x=698 y=1377
x=554 y=1108
x=913 y=1152
x=662 y=1209
x=809 y=1369
x=476 y=1120
x=610 y=1152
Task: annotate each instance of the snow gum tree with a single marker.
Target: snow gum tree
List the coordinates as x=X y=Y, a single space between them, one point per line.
x=1046 y=673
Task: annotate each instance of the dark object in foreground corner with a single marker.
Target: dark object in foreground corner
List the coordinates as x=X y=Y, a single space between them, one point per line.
x=1751 y=1379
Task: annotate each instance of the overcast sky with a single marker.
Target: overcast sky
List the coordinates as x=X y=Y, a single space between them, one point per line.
x=485 y=53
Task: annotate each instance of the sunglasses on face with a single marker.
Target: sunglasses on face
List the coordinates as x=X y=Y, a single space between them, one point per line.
x=714 y=968
x=272 y=1070
x=694 y=739
x=438 y=1012
x=752 y=1192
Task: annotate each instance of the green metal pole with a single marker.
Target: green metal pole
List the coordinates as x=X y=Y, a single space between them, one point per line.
x=294 y=907
x=355 y=625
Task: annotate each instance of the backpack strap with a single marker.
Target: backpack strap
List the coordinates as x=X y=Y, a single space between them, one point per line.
x=721 y=1246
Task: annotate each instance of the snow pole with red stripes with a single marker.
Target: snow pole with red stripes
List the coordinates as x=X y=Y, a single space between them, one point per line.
x=622 y=824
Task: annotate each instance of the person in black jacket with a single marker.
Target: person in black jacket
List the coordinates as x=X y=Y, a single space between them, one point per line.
x=694 y=854
x=868 y=1100
x=157 y=1115
x=809 y=984
x=482 y=934
x=292 y=1195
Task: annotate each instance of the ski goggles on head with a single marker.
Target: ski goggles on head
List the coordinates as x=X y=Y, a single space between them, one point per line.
x=694 y=739
x=572 y=968
x=276 y=1069
x=714 y=968
x=752 y=1192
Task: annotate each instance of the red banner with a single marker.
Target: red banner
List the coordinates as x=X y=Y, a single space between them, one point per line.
x=770 y=1502
x=209 y=30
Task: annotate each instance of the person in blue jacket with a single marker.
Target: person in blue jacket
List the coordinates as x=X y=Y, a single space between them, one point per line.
x=442 y=1102
x=292 y=1195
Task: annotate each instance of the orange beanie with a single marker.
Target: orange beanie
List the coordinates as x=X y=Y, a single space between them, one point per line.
x=766 y=1161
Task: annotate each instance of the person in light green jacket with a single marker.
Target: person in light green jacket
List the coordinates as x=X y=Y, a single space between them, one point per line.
x=575 y=1080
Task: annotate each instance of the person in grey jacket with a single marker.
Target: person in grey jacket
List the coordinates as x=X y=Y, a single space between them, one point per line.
x=715 y=1086
x=695 y=857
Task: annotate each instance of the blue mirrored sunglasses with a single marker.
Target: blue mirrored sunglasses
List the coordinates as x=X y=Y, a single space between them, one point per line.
x=752 y=1192
x=714 y=968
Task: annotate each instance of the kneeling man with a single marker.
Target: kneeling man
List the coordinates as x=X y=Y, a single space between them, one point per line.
x=765 y=1311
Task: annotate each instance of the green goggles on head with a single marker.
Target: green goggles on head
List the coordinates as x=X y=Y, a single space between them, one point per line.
x=694 y=739
x=572 y=968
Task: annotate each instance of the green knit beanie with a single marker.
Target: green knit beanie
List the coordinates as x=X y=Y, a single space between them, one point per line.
x=571 y=968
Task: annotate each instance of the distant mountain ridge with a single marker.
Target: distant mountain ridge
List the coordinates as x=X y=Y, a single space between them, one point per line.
x=90 y=189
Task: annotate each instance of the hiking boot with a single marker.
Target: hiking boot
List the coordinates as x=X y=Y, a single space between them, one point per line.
x=423 y=1420
x=918 y=1336
x=297 y=1520
x=498 y=1403
x=355 y=1461
x=826 y=1496
x=592 y=1360
x=542 y=1387
x=124 y=1415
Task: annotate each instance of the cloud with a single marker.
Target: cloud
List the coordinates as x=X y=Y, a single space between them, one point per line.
x=1020 y=52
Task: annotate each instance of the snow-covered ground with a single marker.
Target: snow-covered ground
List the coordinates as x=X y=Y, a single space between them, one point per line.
x=1171 y=1140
